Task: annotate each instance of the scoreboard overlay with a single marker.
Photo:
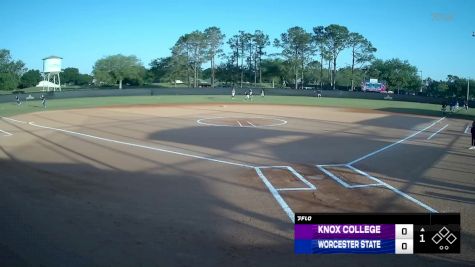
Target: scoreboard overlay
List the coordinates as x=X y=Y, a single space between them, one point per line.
x=376 y=233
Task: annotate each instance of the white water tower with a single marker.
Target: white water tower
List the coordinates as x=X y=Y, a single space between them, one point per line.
x=51 y=70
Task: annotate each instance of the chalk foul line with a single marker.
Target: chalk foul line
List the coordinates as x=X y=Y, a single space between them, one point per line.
x=378 y=181
x=395 y=190
x=393 y=144
x=5 y=133
x=142 y=146
x=266 y=182
x=438 y=131
x=10 y=119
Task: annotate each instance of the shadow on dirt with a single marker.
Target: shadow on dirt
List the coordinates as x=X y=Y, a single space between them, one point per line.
x=118 y=218
x=75 y=214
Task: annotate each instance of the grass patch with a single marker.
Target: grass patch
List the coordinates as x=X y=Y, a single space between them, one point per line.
x=9 y=109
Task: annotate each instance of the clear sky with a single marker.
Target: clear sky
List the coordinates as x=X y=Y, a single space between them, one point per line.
x=434 y=35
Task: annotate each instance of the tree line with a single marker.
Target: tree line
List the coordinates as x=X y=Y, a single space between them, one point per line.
x=295 y=64
x=303 y=60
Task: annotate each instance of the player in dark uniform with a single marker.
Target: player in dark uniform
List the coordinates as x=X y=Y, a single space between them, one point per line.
x=444 y=108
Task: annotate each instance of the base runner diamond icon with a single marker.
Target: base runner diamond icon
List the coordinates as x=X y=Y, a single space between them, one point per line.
x=444 y=231
x=451 y=238
x=437 y=238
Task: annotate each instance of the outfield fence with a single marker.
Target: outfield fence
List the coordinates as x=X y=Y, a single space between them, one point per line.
x=224 y=91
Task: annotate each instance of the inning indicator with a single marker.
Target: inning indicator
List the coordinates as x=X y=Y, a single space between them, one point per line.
x=383 y=233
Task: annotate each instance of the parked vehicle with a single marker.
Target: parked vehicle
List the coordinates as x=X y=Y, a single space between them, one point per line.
x=373 y=86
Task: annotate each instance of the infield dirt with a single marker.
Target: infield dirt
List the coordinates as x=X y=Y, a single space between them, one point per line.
x=150 y=186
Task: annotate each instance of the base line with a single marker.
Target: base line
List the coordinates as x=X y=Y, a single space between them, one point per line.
x=441 y=129
x=240 y=125
x=393 y=144
x=6 y=133
x=142 y=146
x=10 y=119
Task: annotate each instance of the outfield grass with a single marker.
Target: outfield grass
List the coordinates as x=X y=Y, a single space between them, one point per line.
x=9 y=109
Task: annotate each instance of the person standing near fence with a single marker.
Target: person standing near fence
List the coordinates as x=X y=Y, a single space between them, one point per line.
x=18 y=101
x=43 y=101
